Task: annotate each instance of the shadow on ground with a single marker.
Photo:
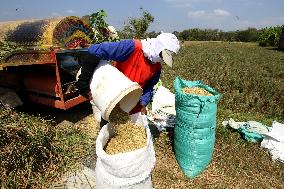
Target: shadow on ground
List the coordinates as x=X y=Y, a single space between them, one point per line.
x=73 y=114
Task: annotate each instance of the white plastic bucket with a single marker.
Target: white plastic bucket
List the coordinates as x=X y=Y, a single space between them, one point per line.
x=109 y=87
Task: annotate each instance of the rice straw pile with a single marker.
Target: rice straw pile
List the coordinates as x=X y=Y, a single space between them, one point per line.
x=55 y=32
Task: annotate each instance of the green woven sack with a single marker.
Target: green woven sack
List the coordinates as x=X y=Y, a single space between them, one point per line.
x=194 y=134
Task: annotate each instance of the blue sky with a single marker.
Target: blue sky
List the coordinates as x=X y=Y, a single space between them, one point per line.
x=169 y=15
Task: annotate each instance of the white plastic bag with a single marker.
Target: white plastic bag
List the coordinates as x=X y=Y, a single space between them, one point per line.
x=124 y=170
x=139 y=119
x=163 y=98
x=274 y=141
x=163 y=109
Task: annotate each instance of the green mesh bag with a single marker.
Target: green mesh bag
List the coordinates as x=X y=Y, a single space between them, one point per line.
x=194 y=134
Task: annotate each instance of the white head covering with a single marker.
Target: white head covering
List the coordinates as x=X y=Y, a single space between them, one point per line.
x=153 y=46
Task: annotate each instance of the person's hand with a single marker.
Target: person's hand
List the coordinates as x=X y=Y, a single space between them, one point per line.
x=143 y=110
x=88 y=95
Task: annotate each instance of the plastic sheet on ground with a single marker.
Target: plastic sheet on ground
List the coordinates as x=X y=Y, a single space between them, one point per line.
x=162 y=98
x=162 y=120
x=274 y=141
x=252 y=131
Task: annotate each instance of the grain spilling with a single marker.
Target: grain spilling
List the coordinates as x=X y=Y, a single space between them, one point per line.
x=196 y=91
x=118 y=116
x=128 y=137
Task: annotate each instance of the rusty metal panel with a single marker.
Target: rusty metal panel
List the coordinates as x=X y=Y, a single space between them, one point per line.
x=12 y=80
x=57 y=103
x=74 y=101
x=42 y=83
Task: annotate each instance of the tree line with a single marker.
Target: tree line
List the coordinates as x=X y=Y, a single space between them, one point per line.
x=269 y=36
x=138 y=27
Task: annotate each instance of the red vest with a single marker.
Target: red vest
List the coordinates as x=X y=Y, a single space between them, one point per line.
x=137 y=67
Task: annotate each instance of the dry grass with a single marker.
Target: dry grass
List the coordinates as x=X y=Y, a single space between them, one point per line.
x=248 y=77
x=235 y=164
x=35 y=152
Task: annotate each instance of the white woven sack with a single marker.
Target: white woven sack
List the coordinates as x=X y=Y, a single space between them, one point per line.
x=146 y=184
x=124 y=170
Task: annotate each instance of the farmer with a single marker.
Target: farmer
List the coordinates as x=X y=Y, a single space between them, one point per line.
x=139 y=60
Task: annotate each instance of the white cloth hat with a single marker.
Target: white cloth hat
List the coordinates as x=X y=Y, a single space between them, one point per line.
x=154 y=46
x=169 y=41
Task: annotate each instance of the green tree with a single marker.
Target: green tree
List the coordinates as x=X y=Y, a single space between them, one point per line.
x=137 y=27
x=270 y=36
x=248 y=35
x=97 y=21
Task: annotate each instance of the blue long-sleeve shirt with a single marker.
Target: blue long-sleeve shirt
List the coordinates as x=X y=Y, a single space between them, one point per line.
x=119 y=52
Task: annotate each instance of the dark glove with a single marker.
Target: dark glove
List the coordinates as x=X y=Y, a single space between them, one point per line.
x=87 y=95
x=88 y=64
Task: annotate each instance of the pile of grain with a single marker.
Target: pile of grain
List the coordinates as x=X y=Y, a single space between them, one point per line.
x=128 y=136
x=196 y=91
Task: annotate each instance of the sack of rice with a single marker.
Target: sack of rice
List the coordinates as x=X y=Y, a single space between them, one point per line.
x=125 y=157
x=194 y=134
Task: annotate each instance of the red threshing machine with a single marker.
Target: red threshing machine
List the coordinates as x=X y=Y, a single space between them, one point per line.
x=44 y=74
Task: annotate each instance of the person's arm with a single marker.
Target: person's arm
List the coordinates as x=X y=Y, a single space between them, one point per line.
x=148 y=89
x=117 y=51
x=88 y=64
